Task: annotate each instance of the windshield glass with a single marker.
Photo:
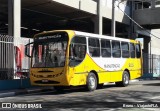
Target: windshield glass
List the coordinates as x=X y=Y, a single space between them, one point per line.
x=49 y=50
x=77 y=50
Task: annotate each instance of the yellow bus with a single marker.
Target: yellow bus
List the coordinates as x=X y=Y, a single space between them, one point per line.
x=72 y=58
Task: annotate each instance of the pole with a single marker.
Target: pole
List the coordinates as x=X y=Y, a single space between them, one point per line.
x=113 y=19
x=98 y=20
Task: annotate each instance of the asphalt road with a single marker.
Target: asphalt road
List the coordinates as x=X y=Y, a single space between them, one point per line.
x=138 y=96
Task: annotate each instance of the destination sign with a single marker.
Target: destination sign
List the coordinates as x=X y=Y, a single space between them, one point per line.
x=50 y=37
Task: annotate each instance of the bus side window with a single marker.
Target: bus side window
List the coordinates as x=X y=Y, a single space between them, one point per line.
x=105 y=48
x=132 y=50
x=125 y=49
x=138 y=51
x=94 y=47
x=116 y=50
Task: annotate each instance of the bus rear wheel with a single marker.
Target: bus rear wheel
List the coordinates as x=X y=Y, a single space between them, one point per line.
x=91 y=82
x=125 y=80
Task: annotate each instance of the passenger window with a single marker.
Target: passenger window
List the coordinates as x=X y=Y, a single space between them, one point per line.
x=77 y=50
x=94 y=47
x=116 y=50
x=132 y=50
x=105 y=48
x=138 y=51
x=125 y=49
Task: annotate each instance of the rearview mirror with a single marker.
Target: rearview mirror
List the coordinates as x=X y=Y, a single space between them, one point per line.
x=28 y=50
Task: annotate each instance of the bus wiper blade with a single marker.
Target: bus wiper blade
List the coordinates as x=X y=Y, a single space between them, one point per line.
x=45 y=71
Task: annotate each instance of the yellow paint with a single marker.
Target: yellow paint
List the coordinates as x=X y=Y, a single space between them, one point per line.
x=75 y=76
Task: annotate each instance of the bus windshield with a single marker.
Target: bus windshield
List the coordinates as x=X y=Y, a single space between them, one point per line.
x=49 y=50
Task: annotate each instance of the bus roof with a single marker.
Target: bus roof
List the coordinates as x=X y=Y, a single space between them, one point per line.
x=91 y=35
x=103 y=36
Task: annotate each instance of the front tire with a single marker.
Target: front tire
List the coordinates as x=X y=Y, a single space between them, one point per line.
x=125 y=80
x=91 y=82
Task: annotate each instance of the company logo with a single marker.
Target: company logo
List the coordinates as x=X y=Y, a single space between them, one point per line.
x=21 y=105
x=6 y=105
x=112 y=65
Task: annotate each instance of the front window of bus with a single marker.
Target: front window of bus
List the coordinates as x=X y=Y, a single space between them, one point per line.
x=49 y=50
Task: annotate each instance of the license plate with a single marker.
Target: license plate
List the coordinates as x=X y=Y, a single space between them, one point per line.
x=44 y=80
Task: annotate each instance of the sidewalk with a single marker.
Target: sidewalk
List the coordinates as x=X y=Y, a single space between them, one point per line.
x=14 y=92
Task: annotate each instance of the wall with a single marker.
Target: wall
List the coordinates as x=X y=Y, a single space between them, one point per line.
x=90 y=6
x=147 y=16
x=119 y=15
x=155 y=43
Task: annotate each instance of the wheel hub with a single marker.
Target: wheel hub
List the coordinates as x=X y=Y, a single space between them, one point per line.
x=92 y=82
x=126 y=79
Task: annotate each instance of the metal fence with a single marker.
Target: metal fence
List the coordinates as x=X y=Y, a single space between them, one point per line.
x=151 y=64
x=13 y=62
x=6 y=57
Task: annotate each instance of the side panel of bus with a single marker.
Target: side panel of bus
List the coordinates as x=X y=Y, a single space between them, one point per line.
x=106 y=69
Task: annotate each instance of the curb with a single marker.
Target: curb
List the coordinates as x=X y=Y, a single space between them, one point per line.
x=149 y=78
x=134 y=80
x=24 y=91
x=7 y=94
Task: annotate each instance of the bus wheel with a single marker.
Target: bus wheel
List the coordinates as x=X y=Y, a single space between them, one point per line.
x=125 y=80
x=91 y=82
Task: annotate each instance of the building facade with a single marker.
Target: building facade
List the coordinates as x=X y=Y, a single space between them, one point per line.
x=24 y=18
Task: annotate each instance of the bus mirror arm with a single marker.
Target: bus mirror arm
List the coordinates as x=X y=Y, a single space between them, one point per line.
x=27 y=50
